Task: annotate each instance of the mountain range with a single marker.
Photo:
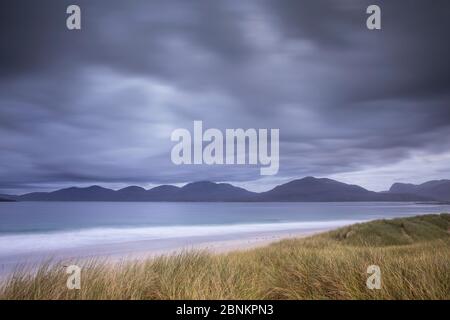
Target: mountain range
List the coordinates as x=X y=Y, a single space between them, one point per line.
x=308 y=189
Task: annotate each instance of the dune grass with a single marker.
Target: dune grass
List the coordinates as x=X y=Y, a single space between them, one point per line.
x=413 y=254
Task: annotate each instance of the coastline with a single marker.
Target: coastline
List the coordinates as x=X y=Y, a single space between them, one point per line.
x=329 y=266
x=247 y=242
x=138 y=251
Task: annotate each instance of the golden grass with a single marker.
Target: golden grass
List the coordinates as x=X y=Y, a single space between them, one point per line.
x=413 y=254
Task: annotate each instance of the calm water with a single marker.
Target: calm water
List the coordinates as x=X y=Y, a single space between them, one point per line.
x=50 y=228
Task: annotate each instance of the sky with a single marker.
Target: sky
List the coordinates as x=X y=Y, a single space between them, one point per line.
x=98 y=105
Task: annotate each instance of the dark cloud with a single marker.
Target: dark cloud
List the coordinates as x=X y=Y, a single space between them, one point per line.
x=98 y=105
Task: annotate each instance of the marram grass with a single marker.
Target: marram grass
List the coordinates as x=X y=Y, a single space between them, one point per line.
x=413 y=254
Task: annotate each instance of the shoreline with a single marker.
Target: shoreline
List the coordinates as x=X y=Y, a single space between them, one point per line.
x=322 y=267
x=220 y=246
x=138 y=251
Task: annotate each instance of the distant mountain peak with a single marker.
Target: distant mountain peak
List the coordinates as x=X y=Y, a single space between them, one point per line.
x=131 y=188
x=201 y=183
x=435 y=189
x=95 y=187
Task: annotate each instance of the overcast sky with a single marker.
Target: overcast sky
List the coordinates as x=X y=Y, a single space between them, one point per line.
x=97 y=106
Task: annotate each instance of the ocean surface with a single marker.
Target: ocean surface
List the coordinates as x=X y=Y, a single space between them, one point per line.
x=31 y=230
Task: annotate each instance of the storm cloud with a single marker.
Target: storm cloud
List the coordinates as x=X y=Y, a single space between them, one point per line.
x=97 y=106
